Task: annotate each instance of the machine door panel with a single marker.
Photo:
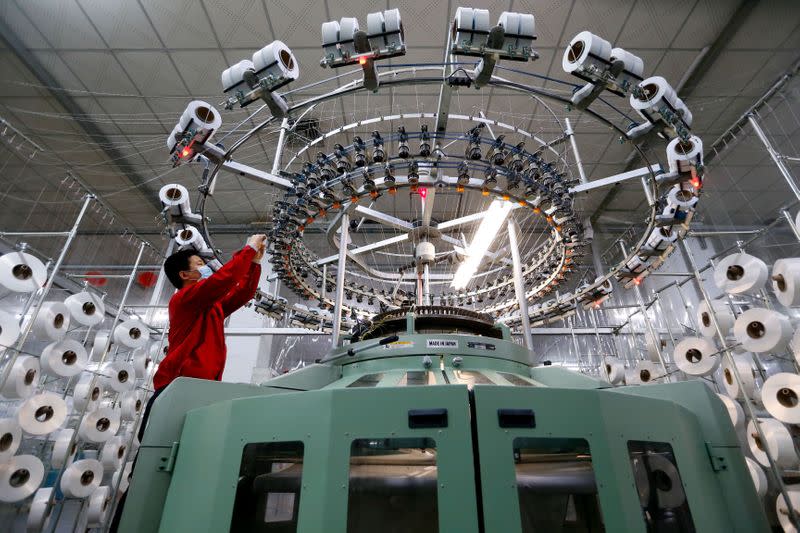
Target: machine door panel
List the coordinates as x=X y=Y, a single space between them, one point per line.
x=576 y=460
x=348 y=460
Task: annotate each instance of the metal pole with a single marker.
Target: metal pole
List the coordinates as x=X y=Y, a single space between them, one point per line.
x=571 y=134
x=519 y=285
x=44 y=292
x=324 y=283
x=792 y=225
x=337 y=308
x=276 y=162
x=102 y=360
x=775 y=157
x=666 y=315
x=748 y=404
x=575 y=345
x=647 y=192
x=159 y=287
x=426 y=283
x=651 y=332
x=34 y=233
x=593 y=314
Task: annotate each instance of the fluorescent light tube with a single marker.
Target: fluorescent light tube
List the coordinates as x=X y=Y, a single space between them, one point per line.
x=490 y=226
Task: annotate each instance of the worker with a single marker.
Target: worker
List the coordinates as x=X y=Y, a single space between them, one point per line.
x=197 y=312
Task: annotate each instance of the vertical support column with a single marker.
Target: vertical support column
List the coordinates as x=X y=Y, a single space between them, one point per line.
x=426 y=284
x=159 y=286
x=276 y=161
x=26 y=331
x=656 y=340
x=784 y=170
x=593 y=314
x=519 y=285
x=792 y=225
x=344 y=236
x=748 y=403
x=571 y=134
x=324 y=283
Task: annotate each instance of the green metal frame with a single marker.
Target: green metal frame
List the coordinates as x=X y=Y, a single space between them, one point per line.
x=722 y=497
x=201 y=494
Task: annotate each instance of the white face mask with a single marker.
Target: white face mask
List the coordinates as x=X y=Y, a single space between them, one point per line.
x=204 y=271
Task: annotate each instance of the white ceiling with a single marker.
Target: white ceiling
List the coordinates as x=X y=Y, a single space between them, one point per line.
x=132 y=66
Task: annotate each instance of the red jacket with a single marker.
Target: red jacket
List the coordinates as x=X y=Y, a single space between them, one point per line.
x=196 y=320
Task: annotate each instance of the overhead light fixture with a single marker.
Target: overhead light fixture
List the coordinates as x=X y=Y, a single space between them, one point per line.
x=492 y=221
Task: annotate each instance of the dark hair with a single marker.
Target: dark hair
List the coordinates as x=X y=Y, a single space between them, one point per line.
x=177 y=263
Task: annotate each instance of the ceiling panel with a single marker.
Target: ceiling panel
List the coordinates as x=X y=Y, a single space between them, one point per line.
x=239 y=24
x=152 y=72
x=180 y=23
x=705 y=22
x=551 y=16
x=606 y=19
x=301 y=20
x=121 y=24
x=769 y=25
x=55 y=65
x=62 y=24
x=99 y=70
x=654 y=24
x=201 y=70
x=19 y=23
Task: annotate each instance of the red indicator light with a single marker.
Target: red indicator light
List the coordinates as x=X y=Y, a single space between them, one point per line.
x=423 y=192
x=362 y=60
x=185 y=152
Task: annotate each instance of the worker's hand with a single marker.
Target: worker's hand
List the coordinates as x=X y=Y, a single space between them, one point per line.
x=259 y=243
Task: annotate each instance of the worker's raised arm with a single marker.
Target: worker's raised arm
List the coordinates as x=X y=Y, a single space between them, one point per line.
x=209 y=291
x=244 y=292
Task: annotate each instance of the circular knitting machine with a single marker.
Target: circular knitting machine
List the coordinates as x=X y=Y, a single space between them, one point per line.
x=445 y=209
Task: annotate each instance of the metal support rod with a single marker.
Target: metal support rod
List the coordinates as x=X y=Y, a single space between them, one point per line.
x=575 y=345
x=792 y=225
x=784 y=170
x=647 y=192
x=26 y=330
x=34 y=233
x=667 y=317
x=104 y=353
x=655 y=339
x=724 y=232
x=340 y=272
x=597 y=260
x=748 y=404
x=578 y=163
x=159 y=287
x=519 y=285
x=94 y=276
x=593 y=314
x=324 y=288
x=426 y=283
x=276 y=161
